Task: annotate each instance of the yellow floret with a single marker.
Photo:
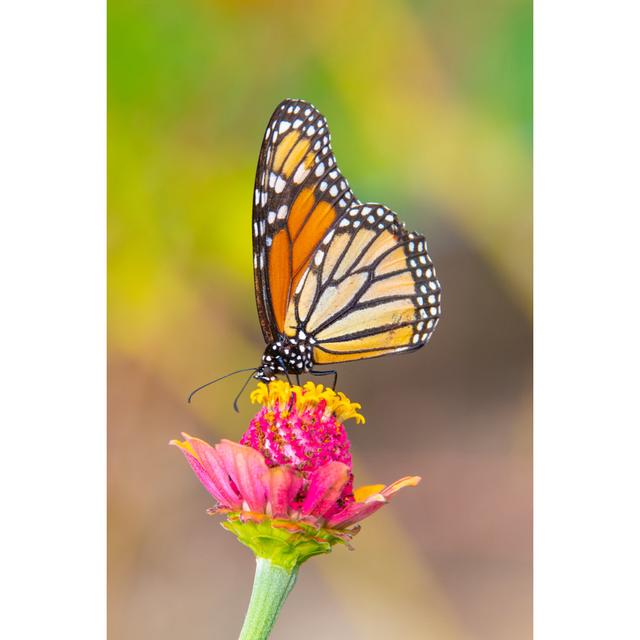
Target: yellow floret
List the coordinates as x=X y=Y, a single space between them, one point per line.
x=309 y=395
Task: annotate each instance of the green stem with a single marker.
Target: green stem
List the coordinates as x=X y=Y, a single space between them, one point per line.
x=271 y=586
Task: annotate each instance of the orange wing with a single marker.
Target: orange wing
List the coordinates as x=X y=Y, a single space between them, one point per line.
x=299 y=194
x=371 y=289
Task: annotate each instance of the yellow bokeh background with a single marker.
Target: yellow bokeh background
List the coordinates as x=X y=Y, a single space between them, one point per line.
x=429 y=105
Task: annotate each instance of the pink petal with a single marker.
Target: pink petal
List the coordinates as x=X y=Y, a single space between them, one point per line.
x=357 y=511
x=212 y=463
x=407 y=481
x=354 y=512
x=283 y=484
x=325 y=486
x=208 y=481
x=247 y=469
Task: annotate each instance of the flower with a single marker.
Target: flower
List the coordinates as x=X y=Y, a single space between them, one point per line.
x=287 y=487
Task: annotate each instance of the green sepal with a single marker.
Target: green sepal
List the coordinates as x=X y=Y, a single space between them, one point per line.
x=283 y=542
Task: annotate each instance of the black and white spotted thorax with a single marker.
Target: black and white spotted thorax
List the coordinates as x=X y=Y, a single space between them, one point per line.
x=286 y=355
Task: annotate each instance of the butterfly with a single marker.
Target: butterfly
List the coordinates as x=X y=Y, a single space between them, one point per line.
x=336 y=280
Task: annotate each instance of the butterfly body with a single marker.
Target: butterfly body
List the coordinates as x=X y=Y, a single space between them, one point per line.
x=336 y=279
x=285 y=356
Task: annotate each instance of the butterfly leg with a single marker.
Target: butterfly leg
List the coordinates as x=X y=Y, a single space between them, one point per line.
x=327 y=373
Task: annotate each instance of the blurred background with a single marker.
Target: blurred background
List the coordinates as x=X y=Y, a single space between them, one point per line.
x=430 y=107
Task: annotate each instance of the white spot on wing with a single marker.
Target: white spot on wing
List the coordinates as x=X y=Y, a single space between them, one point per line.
x=301 y=173
x=301 y=283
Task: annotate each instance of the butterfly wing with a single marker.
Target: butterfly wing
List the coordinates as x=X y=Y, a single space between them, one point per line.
x=299 y=195
x=370 y=290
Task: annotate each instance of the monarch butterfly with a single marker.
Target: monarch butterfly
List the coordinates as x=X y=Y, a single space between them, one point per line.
x=335 y=279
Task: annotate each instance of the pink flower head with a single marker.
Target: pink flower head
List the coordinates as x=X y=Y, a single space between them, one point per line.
x=292 y=467
x=302 y=427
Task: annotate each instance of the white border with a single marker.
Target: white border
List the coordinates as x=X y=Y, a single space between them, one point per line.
x=52 y=265
x=587 y=314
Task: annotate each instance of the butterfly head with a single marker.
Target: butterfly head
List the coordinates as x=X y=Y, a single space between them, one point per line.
x=265 y=374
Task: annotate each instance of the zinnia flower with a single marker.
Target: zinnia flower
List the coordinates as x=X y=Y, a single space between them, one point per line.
x=287 y=488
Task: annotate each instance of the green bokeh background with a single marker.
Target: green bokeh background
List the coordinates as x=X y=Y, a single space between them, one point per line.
x=430 y=107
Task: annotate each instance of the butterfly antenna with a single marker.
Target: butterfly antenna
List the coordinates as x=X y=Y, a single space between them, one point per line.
x=244 y=386
x=233 y=373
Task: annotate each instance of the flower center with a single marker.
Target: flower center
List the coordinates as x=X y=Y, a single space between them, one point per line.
x=304 y=439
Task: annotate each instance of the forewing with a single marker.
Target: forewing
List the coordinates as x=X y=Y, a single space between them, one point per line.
x=370 y=290
x=299 y=195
